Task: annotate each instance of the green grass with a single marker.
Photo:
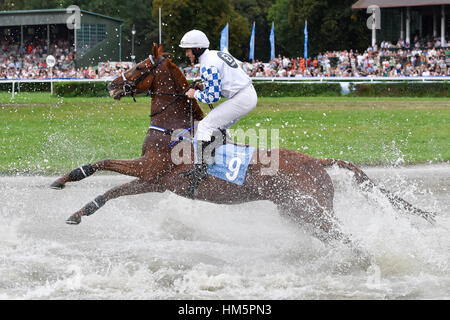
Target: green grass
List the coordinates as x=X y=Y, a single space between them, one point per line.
x=370 y=131
x=46 y=134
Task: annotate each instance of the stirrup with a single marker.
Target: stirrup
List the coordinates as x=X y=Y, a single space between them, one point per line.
x=187 y=174
x=197 y=175
x=199 y=172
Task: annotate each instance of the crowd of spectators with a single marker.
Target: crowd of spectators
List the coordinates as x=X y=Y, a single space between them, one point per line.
x=426 y=57
x=29 y=62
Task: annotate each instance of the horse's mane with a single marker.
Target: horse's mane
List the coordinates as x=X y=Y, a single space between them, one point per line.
x=181 y=80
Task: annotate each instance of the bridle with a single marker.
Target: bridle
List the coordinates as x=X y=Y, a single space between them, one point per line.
x=131 y=87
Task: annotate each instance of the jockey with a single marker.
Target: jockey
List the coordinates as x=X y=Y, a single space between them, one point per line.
x=222 y=77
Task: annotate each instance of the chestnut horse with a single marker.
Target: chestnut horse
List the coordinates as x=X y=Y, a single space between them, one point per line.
x=301 y=187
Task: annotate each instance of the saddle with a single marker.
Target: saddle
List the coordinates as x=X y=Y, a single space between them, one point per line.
x=228 y=161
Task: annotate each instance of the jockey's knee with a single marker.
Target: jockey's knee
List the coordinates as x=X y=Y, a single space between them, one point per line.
x=204 y=131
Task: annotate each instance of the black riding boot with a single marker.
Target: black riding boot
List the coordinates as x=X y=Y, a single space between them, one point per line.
x=199 y=172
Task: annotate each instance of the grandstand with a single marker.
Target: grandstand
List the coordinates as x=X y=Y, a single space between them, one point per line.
x=409 y=20
x=93 y=51
x=97 y=39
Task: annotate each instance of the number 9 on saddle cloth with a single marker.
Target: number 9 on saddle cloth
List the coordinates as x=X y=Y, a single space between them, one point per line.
x=226 y=160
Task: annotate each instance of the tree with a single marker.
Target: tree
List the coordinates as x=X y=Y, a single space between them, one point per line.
x=30 y=4
x=287 y=38
x=256 y=11
x=332 y=25
x=178 y=17
x=11 y=4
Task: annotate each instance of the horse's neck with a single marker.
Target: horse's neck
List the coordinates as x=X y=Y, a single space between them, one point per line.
x=178 y=114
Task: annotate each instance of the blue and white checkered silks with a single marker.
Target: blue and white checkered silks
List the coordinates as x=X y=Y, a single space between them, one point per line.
x=212 y=82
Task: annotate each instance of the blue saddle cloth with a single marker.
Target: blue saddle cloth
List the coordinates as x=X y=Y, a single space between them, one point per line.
x=230 y=162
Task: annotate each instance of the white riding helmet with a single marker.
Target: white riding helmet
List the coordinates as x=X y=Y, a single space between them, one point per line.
x=194 y=39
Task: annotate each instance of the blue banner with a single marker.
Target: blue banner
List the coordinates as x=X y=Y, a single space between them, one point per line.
x=272 y=42
x=305 y=55
x=252 y=44
x=224 y=39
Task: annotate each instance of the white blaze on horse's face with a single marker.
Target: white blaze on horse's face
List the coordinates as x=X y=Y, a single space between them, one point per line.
x=116 y=87
x=116 y=93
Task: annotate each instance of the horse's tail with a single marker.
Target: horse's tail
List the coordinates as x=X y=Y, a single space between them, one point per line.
x=366 y=184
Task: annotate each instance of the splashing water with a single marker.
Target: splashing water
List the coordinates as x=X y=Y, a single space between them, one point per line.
x=161 y=246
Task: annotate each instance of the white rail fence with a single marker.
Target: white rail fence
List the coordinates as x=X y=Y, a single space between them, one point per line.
x=15 y=83
x=343 y=81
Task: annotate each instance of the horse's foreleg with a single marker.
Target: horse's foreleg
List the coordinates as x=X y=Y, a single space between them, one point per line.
x=134 y=167
x=74 y=175
x=131 y=188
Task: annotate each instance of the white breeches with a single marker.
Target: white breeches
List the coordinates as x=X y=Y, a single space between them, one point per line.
x=227 y=113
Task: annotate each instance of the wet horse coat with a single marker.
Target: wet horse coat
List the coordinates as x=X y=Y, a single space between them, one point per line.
x=301 y=187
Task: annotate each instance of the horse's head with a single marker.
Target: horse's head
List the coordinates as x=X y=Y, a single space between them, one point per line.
x=139 y=78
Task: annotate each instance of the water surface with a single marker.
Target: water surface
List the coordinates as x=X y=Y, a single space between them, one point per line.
x=161 y=246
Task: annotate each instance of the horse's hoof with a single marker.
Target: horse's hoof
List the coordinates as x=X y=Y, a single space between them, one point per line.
x=74 y=219
x=57 y=185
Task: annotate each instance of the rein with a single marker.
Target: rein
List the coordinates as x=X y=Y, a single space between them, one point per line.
x=131 y=88
x=169 y=132
x=168 y=104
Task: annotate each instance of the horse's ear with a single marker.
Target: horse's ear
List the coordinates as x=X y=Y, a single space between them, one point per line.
x=155 y=51
x=161 y=51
